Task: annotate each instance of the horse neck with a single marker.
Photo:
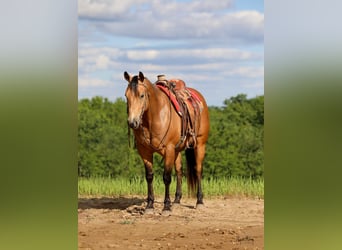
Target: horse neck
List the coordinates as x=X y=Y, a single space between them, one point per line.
x=157 y=101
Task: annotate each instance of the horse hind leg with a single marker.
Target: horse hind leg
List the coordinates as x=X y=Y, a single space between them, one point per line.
x=179 y=174
x=194 y=158
x=199 y=155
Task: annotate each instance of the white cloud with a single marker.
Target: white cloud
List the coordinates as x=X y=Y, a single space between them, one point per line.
x=102 y=62
x=175 y=8
x=92 y=59
x=106 y=9
x=244 y=27
x=255 y=85
x=103 y=57
x=173 y=20
x=142 y=54
x=222 y=61
x=112 y=9
x=250 y=72
x=93 y=82
x=204 y=42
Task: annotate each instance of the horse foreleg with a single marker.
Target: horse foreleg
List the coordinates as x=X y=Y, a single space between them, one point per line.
x=148 y=162
x=178 y=169
x=169 y=162
x=150 y=193
x=167 y=181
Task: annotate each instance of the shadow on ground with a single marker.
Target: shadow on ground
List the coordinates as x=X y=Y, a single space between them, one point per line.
x=121 y=203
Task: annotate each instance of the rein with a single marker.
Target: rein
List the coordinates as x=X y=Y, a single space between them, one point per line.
x=148 y=141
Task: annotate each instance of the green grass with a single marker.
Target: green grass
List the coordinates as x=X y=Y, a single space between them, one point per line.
x=104 y=186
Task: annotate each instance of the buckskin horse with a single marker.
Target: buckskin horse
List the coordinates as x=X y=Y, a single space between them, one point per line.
x=159 y=127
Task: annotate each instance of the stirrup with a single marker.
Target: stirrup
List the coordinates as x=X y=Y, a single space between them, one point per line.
x=182 y=139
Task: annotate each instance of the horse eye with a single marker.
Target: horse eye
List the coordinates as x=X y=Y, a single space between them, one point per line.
x=142 y=96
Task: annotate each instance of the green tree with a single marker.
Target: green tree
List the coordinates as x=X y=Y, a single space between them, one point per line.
x=235 y=145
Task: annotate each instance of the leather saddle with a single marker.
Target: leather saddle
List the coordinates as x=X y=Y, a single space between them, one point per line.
x=188 y=106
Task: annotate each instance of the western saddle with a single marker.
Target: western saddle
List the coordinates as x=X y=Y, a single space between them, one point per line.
x=188 y=106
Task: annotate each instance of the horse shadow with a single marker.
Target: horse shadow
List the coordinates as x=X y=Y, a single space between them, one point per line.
x=119 y=203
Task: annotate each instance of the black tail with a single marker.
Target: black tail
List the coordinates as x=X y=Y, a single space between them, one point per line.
x=191 y=170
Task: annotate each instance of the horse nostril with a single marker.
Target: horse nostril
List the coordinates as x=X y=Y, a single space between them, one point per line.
x=130 y=123
x=133 y=124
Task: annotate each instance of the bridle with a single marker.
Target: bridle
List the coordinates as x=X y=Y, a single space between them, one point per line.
x=140 y=116
x=149 y=140
x=144 y=106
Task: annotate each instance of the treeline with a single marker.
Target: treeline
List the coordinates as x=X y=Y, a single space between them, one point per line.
x=235 y=145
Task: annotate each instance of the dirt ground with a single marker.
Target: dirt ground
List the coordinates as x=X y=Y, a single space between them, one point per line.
x=120 y=223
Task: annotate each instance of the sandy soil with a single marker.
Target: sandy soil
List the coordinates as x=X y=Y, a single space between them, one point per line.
x=120 y=223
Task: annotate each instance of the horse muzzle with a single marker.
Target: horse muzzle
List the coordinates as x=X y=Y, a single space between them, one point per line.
x=134 y=123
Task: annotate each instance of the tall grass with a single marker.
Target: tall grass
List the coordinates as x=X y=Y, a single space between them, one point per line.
x=105 y=186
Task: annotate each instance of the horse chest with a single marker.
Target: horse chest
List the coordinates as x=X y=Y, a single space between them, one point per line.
x=146 y=138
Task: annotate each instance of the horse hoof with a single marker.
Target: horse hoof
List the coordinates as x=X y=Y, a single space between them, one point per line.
x=176 y=204
x=149 y=211
x=200 y=206
x=166 y=213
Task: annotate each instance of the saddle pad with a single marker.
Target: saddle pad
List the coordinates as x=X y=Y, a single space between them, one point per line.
x=172 y=98
x=174 y=101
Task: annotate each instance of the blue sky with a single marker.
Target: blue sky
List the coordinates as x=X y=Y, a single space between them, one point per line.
x=214 y=46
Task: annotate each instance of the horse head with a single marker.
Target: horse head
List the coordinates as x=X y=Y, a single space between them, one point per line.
x=137 y=99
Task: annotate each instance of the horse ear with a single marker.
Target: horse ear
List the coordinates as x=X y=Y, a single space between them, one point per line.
x=141 y=76
x=127 y=76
